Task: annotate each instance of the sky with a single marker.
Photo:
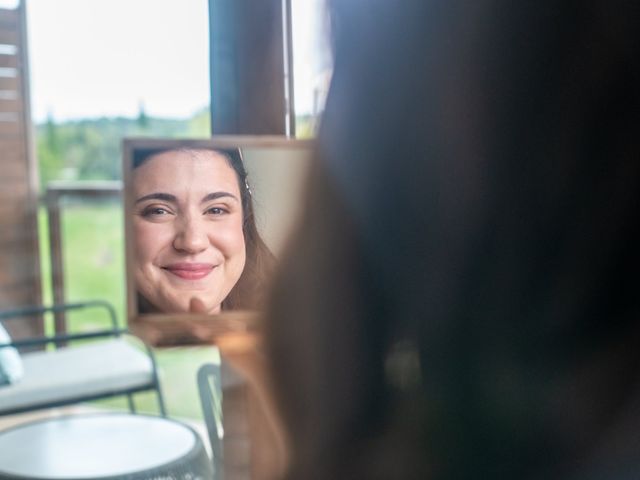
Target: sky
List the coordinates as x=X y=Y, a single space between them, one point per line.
x=94 y=58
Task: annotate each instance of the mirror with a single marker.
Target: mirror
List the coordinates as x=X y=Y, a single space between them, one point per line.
x=205 y=221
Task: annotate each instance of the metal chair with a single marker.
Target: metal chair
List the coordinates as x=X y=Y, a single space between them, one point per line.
x=77 y=373
x=209 y=388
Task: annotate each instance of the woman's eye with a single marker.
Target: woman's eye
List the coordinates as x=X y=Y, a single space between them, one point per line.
x=216 y=211
x=155 y=212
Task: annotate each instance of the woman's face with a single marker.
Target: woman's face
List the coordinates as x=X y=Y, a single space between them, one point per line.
x=187 y=218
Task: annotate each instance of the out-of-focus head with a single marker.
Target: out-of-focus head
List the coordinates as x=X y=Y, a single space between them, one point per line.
x=473 y=218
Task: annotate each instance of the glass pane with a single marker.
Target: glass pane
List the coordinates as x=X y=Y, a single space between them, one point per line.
x=105 y=69
x=312 y=62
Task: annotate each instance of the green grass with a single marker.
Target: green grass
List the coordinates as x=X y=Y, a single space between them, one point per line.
x=94 y=268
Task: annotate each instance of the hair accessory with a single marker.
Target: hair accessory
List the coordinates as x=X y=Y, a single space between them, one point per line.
x=246 y=182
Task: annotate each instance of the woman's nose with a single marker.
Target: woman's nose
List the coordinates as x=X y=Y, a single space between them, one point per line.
x=191 y=236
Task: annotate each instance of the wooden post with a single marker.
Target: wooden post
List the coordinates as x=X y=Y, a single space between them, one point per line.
x=56 y=257
x=88 y=191
x=247 y=59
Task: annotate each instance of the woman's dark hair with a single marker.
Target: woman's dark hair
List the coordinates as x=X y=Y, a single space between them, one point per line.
x=249 y=291
x=461 y=297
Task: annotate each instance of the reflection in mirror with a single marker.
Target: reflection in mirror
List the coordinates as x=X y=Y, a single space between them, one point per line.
x=196 y=245
x=204 y=220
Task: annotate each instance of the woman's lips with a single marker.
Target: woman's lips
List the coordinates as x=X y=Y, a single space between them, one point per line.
x=189 y=271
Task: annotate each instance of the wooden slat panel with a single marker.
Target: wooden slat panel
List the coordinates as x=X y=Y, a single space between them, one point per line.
x=9 y=61
x=19 y=252
x=15 y=237
x=9 y=16
x=11 y=197
x=11 y=233
x=10 y=116
x=14 y=192
x=10 y=148
x=19 y=241
x=11 y=129
x=10 y=95
x=9 y=72
x=12 y=167
x=16 y=217
x=17 y=297
x=21 y=295
x=13 y=220
x=9 y=37
x=13 y=283
x=12 y=144
x=11 y=177
x=12 y=223
x=22 y=254
x=16 y=279
x=11 y=105
x=9 y=83
x=16 y=214
x=15 y=271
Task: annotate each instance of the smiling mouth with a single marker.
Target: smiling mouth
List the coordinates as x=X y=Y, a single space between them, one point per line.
x=189 y=271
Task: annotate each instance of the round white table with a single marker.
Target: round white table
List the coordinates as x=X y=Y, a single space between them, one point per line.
x=103 y=446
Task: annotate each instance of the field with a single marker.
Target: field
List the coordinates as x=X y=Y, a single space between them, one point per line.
x=94 y=268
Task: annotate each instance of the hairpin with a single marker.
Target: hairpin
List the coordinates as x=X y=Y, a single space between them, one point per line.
x=246 y=183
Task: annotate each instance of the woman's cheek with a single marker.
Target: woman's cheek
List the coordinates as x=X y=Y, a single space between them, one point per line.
x=151 y=239
x=228 y=238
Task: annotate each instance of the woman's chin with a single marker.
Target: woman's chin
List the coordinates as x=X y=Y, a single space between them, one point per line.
x=196 y=306
x=187 y=304
x=170 y=307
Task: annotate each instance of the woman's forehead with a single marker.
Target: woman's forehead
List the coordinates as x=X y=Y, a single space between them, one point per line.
x=186 y=169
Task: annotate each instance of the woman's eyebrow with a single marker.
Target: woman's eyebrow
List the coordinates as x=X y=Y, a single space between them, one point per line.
x=167 y=197
x=216 y=195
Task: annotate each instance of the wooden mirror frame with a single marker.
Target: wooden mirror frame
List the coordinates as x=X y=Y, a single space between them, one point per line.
x=159 y=329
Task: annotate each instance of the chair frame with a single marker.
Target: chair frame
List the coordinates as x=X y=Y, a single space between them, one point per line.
x=209 y=385
x=63 y=339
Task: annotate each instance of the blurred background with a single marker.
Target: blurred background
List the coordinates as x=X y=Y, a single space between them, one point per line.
x=102 y=70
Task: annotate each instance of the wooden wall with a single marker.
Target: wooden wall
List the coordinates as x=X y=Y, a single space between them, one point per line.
x=19 y=257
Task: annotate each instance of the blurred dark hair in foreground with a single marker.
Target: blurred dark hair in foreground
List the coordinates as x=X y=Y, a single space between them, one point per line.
x=461 y=298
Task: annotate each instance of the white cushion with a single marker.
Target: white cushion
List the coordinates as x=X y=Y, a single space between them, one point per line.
x=11 y=369
x=74 y=371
